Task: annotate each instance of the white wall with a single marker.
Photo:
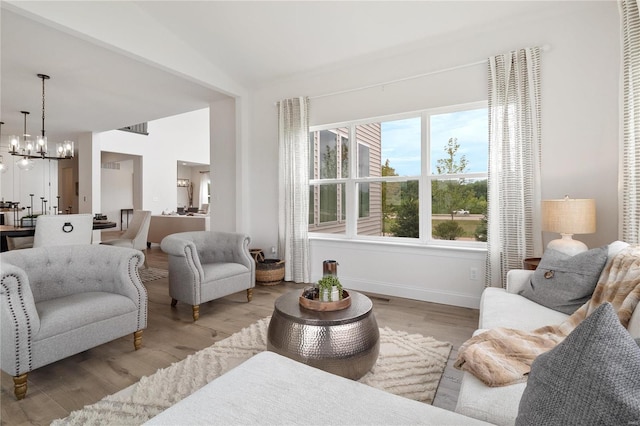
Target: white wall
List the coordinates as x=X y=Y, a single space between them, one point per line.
x=224 y=188
x=183 y=137
x=117 y=192
x=579 y=136
x=16 y=184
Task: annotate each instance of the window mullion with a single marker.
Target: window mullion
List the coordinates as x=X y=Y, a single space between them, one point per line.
x=425 y=182
x=350 y=186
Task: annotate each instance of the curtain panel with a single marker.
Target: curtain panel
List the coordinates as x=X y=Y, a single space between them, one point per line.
x=629 y=185
x=513 y=190
x=293 y=139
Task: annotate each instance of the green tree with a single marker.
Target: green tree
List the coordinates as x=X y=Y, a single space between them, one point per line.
x=388 y=211
x=449 y=164
x=451 y=194
x=407 y=222
x=481 y=230
x=448 y=230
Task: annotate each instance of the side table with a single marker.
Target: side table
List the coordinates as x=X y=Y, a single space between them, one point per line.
x=344 y=342
x=531 y=263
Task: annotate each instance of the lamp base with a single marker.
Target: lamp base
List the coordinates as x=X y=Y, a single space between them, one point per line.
x=567 y=245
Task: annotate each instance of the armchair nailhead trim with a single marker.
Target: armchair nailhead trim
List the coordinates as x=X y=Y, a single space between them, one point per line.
x=134 y=267
x=16 y=325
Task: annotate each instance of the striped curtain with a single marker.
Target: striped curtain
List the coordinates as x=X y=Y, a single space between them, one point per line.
x=513 y=191
x=630 y=146
x=293 y=138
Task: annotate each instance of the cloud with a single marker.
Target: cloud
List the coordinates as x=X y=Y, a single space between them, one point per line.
x=401 y=140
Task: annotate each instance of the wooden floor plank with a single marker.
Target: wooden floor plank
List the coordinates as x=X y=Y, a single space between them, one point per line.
x=59 y=388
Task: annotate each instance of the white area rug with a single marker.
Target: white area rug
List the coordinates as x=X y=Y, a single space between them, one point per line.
x=152 y=274
x=409 y=365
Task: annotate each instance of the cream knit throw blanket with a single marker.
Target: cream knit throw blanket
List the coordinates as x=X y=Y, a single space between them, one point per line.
x=503 y=356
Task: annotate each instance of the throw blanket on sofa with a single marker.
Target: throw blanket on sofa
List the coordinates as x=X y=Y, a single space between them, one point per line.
x=503 y=356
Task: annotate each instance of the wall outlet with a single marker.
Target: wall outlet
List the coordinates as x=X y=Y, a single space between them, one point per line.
x=273 y=250
x=473 y=273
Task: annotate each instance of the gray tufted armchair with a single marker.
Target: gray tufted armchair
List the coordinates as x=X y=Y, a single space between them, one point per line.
x=206 y=265
x=57 y=301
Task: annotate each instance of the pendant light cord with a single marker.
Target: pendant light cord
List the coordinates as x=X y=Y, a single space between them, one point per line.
x=43 y=77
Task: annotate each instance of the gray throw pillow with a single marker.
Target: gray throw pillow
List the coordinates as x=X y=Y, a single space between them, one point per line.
x=591 y=378
x=564 y=283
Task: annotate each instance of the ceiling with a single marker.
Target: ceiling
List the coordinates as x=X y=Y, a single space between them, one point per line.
x=97 y=87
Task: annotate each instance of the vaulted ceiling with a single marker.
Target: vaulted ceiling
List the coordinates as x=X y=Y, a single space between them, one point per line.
x=97 y=84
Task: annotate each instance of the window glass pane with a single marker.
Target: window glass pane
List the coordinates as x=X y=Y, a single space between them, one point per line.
x=333 y=154
x=399 y=147
x=328 y=207
x=328 y=203
x=363 y=160
x=363 y=188
x=312 y=203
x=394 y=210
x=344 y=149
x=459 y=142
x=328 y=155
x=459 y=208
x=363 y=200
x=312 y=171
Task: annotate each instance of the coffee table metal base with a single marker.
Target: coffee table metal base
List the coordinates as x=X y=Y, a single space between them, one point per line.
x=345 y=342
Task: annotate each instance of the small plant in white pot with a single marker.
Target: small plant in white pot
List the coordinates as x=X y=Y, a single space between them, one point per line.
x=330 y=288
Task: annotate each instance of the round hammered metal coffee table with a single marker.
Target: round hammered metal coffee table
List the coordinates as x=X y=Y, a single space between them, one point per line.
x=344 y=342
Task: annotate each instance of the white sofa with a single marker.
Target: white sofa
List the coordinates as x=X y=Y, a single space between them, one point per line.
x=505 y=308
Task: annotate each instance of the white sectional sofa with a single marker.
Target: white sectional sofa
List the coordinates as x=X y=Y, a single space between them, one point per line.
x=505 y=308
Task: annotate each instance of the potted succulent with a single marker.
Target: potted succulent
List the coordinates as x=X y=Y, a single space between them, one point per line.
x=330 y=288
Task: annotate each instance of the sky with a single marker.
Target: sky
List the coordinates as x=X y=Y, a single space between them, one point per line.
x=401 y=140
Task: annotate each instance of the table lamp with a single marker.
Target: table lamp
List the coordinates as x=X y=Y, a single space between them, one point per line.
x=569 y=216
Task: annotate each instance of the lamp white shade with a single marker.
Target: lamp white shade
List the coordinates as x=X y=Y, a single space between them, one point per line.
x=567 y=217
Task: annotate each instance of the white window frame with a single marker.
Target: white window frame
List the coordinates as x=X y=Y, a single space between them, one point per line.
x=424 y=180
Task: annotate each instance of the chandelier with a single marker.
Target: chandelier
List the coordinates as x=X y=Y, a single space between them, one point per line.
x=28 y=148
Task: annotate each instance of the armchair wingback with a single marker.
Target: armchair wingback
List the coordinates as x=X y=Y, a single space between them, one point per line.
x=206 y=265
x=57 y=301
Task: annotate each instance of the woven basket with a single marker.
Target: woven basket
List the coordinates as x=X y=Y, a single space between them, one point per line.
x=269 y=272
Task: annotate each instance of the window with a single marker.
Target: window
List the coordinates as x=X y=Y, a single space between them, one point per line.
x=364 y=195
x=416 y=177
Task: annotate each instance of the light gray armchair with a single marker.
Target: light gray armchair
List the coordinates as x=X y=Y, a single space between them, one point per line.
x=206 y=265
x=61 y=300
x=136 y=234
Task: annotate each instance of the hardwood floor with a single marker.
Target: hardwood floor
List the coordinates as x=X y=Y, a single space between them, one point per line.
x=67 y=385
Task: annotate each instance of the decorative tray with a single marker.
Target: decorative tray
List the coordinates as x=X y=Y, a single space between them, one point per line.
x=316 y=305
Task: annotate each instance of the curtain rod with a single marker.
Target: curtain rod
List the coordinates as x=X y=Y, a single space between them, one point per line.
x=544 y=48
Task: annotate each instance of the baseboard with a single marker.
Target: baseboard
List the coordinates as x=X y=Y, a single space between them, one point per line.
x=423 y=294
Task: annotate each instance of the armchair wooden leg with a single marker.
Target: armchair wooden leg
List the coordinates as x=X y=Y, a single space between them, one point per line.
x=137 y=339
x=174 y=302
x=20 y=386
x=249 y=294
x=196 y=312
